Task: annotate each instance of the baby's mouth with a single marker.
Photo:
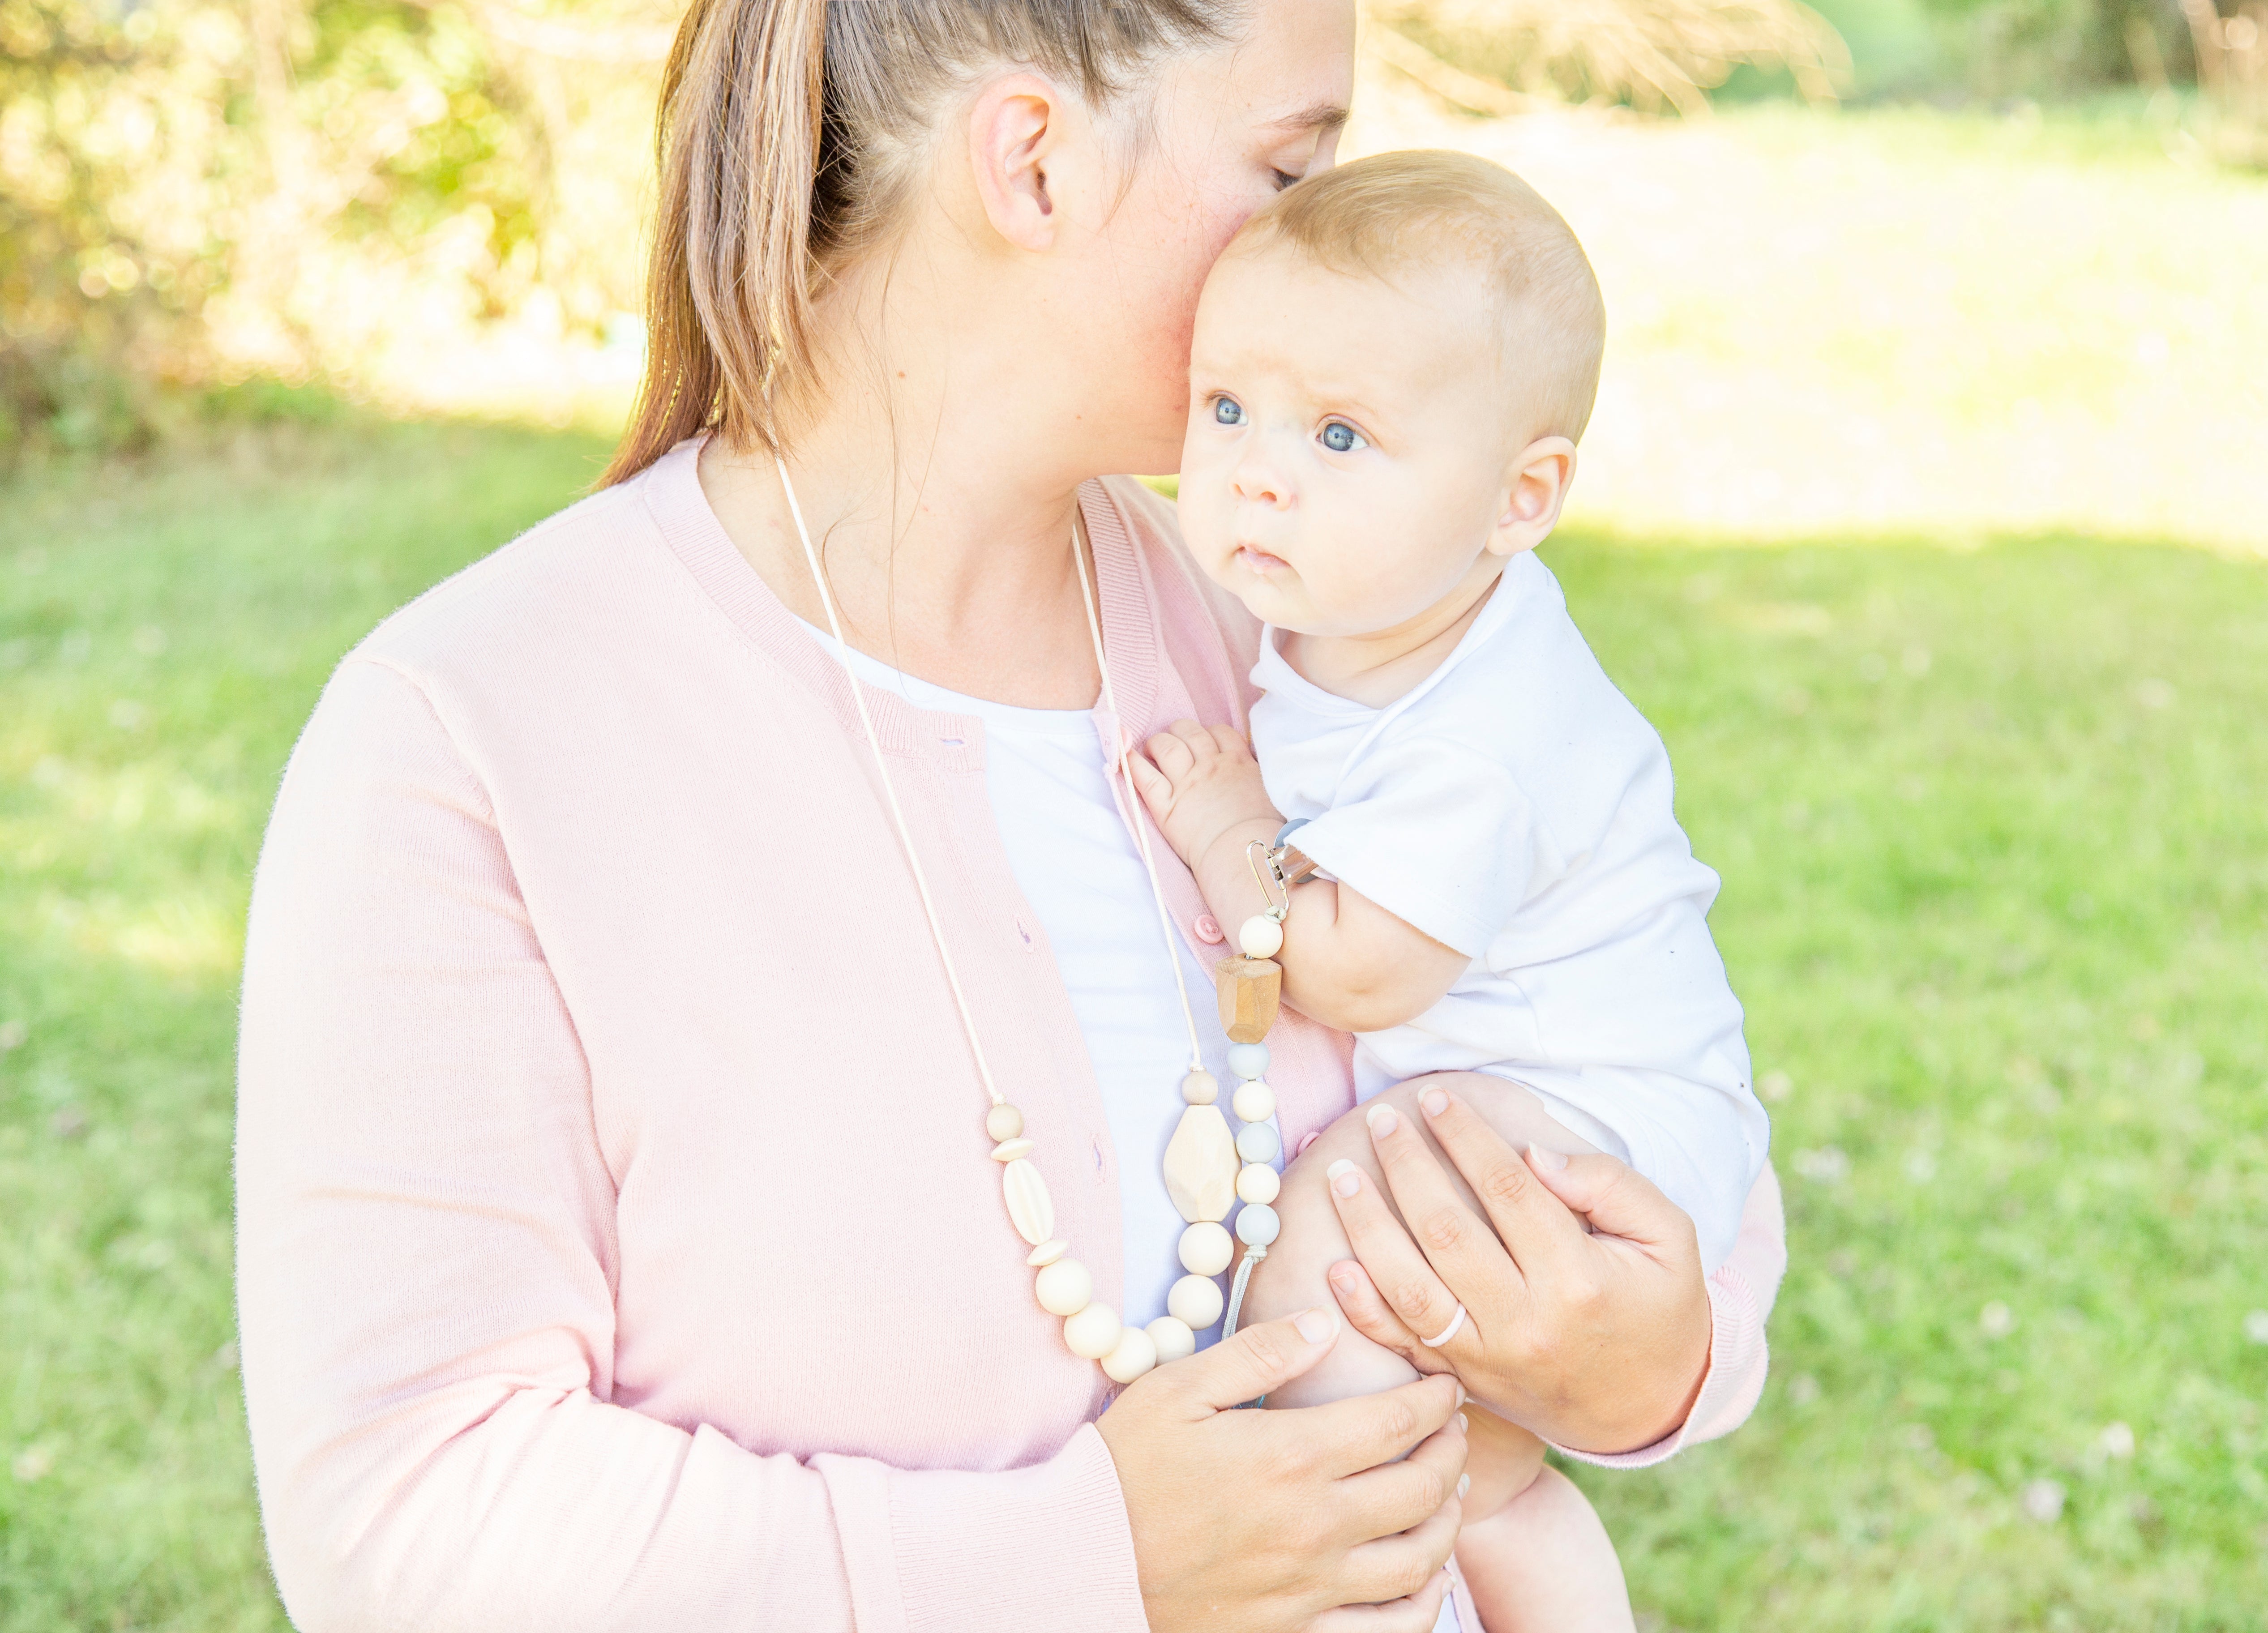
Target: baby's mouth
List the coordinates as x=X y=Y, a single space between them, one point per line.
x=1259 y=560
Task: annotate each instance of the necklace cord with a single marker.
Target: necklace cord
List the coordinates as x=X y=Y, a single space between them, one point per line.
x=890 y=792
x=1134 y=813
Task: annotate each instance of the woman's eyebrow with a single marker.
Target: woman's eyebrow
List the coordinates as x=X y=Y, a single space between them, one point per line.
x=1315 y=116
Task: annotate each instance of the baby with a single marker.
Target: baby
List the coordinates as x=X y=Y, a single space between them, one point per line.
x=1391 y=367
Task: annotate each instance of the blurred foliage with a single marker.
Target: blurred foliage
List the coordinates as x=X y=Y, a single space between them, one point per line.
x=193 y=188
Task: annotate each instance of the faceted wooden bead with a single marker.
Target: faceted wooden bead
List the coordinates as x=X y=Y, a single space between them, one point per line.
x=1260 y=937
x=1254 y=1101
x=1029 y=1206
x=1199 y=1089
x=1048 y=1252
x=1172 y=1335
x=1201 y=1164
x=1008 y=1150
x=1195 y=1300
x=1003 y=1123
x=1064 y=1287
x=1093 y=1333
x=1135 y=1354
x=1258 y=1182
x=1251 y=990
x=1206 y=1249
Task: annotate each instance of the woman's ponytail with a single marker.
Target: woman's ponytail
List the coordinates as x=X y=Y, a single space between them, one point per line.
x=791 y=134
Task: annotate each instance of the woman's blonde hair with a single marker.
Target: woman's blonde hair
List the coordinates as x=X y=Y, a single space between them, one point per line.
x=792 y=135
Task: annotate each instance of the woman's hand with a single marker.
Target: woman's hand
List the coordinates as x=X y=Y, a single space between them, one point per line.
x=1296 y=1521
x=1598 y=1341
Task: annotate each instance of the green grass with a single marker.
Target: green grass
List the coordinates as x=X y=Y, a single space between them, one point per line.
x=1996 y=858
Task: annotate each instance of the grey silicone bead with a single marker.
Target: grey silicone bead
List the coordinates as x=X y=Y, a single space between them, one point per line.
x=1255 y=1142
x=1248 y=1060
x=1256 y=1224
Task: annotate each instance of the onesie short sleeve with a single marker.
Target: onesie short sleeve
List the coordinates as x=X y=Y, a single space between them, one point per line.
x=1434 y=831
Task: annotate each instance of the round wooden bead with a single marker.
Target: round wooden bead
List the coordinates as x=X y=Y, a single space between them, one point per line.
x=1199 y=1089
x=1065 y=1287
x=1206 y=1249
x=1048 y=1252
x=1256 y=1224
x=1256 y=1141
x=1248 y=1060
x=1197 y=1300
x=1258 y=1182
x=1254 y=1102
x=1135 y=1354
x=1003 y=1123
x=1173 y=1339
x=1093 y=1333
x=1260 y=937
x=1008 y=1150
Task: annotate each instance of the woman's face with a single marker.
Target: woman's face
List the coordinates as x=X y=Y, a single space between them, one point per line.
x=1228 y=128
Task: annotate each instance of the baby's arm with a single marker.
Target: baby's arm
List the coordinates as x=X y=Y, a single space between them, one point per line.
x=1347 y=961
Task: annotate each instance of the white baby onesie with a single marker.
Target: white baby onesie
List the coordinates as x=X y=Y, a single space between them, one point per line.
x=1515 y=807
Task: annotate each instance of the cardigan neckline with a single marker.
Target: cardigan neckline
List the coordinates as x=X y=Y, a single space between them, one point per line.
x=689 y=526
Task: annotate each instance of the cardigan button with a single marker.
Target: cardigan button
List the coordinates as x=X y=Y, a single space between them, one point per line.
x=1209 y=930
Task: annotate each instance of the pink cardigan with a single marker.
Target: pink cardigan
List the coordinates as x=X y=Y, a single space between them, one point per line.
x=618 y=1246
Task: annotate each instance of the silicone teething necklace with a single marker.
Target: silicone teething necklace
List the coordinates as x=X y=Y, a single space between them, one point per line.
x=1202 y=1162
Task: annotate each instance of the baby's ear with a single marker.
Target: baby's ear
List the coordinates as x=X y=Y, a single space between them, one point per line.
x=1535 y=487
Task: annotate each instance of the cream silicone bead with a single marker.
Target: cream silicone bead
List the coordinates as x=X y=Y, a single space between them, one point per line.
x=1008 y=1150
x=1029 y=1206
x=1172 y=1335
x=1064 y=1287
x=1053 y=1248
x=1135 y=1353
x=1093 y=1333
x=1206 y=1249
x=1003 y=1123
x=1258 y=1182
x=1254 y=1101
x=1260 y=937
x=1194 y=1299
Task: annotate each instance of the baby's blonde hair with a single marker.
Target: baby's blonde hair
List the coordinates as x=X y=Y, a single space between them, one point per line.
x=1425 y=209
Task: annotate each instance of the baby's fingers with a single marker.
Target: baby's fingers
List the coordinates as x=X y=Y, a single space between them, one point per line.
x=1156 y=789
x=1172 y=753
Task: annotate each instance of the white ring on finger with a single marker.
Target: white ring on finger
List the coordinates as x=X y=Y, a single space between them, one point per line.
x=1456 y=1323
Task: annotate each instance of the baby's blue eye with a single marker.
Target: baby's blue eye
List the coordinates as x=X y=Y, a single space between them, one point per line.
x=1227 y=411
x=1341 y=437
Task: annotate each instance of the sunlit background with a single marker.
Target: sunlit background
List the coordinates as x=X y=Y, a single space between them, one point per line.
x=1926 y=512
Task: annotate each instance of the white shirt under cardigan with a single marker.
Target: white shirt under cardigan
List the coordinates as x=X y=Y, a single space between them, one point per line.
x=1075 y=861
x=1514 y=805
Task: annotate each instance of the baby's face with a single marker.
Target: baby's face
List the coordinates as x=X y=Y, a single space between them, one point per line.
x=1349 y=442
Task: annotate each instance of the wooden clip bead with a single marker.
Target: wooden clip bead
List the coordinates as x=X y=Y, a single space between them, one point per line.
x=1251 y=991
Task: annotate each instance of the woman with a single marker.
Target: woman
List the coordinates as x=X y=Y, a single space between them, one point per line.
x=619 y=1242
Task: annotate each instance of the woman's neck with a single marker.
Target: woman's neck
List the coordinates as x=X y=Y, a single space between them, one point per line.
x=938 y=474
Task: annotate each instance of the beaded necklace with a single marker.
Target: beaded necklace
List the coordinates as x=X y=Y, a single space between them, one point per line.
x=1206 y=1169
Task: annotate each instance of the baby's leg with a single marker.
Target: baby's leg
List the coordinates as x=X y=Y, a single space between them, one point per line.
x=1293 y=1278
x=1543 y=1563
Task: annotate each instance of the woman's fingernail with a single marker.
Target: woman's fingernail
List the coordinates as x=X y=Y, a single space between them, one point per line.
x=1345 y=1178
x=1382 y=1120
x=1461 y=1396
x=1316 y=1326
x=1434 y=1101
x=1550 y=1162
x=1464 y=1484
x=1464 y=1427
x=1342 y=1276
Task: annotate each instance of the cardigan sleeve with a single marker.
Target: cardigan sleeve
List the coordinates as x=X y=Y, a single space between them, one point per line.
x=1742 y=1292
x=426 y=1272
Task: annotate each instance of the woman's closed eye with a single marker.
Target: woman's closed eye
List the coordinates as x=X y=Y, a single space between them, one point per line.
x=1341 y=437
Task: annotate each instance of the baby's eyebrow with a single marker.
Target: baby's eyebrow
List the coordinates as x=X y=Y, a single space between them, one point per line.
x=1325 y=115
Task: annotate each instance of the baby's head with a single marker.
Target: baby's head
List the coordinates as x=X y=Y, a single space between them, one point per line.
x=1391 y=367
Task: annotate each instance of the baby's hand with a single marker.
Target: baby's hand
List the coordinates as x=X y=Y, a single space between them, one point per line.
x=1203 y=785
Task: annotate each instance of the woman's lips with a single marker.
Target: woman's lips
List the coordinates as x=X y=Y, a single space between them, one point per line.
x=1259 y=560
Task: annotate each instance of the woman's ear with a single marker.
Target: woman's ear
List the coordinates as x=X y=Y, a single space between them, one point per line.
x=1018 y=127
x=1535 y=487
